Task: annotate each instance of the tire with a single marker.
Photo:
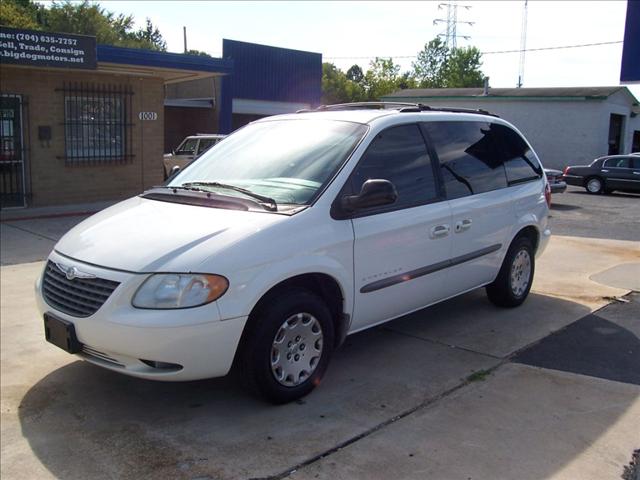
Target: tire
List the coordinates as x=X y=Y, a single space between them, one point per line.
x=594 y=185
x=513 y=283
x=296 y=328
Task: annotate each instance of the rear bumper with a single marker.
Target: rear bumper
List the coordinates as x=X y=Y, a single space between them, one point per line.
x=574 y=180
x=558 y=187
x=545 y=236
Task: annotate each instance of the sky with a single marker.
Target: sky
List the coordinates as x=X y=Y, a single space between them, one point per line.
x=355 y=32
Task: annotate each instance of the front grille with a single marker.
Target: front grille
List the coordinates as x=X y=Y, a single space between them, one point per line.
x=79 y=297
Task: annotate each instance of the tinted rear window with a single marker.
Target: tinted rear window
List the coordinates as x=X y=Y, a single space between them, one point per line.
x=471 y=159
x=519 y=161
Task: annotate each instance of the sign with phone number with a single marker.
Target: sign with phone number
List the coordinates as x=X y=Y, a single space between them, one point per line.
x=45 y=49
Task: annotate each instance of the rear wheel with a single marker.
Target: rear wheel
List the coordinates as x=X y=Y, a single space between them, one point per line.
x=288 y=347
x=513 y=283
x=594 y=185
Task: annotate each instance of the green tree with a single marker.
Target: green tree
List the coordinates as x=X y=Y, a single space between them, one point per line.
x=337 y=88
x=355 y=74
x=463 y=68
x=382 y=78
x=429 y=67
x=439 y=67
x=200 y=53
x=20 y=14
x=84 y=18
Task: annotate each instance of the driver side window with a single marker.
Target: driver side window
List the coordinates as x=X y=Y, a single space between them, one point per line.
x=399 y=154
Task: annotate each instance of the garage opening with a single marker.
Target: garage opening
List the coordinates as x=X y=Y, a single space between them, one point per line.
x=616 y=122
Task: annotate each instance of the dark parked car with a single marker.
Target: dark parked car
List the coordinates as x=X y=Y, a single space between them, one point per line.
x=555 y=179
x=606 y=174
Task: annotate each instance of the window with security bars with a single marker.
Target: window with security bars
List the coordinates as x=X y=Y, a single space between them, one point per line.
x=97 y=123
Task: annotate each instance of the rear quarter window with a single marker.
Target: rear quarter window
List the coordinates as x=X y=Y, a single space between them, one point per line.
x=519 y=161
x=471 y=159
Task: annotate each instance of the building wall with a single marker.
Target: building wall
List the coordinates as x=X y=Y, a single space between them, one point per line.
x=621 y=103
x=261 y=72
x=52 y=182
x=562 y=132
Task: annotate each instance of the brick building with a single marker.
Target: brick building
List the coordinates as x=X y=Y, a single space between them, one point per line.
x=81 y=122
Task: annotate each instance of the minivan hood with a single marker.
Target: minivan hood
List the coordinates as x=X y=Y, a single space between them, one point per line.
x=142 y=235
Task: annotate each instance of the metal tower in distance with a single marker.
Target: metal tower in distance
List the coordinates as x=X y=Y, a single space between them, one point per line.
x=523 y=45
x=452 y=21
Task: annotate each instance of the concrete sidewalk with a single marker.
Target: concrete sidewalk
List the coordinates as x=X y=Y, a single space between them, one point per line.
x=411 y=399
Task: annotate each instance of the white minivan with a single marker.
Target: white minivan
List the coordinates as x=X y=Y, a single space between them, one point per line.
x=296 y=231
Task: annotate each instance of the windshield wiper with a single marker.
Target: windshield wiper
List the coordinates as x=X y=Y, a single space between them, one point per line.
x=180 y=187
x=267 y=203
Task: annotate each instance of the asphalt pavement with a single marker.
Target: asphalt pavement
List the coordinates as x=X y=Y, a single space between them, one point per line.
x=577 y=213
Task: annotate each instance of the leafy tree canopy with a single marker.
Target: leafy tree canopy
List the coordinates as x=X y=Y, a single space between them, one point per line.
x=437 y=66
x=337 y=88
x=85 y=18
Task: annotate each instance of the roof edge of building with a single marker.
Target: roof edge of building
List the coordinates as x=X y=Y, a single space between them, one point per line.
x=551 y=93
x=151 y=58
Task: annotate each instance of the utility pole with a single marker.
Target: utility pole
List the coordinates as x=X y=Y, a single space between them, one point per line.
x=451 y=34
x=523 y=45
x=184 y=32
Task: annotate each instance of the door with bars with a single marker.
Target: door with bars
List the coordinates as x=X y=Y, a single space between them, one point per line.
x=12 y=152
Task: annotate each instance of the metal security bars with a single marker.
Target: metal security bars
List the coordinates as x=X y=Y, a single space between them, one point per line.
x=97 y=123
x=13 y=150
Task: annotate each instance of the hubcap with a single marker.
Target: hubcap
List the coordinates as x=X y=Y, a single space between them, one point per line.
x=520 y=273
x=593 y=185
x=296 y=349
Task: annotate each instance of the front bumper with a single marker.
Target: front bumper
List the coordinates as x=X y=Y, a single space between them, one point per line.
x=119 y=337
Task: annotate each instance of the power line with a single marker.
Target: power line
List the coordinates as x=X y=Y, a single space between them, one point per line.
x=485 y=53
x=552 y=48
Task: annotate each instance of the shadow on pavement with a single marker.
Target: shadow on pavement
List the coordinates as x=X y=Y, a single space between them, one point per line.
x=82 y=421
x=564 y=208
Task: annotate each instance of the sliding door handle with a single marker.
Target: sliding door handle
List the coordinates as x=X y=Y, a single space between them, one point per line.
x=463 y=225
x=439 y=231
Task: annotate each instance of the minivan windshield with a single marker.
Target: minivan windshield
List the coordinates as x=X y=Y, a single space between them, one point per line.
x=288 y=161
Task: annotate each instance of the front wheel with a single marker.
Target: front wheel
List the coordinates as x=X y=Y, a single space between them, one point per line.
x=288 y=346
x=513 y=283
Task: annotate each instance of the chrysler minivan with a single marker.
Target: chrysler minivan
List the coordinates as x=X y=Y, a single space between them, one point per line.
x=296 y=231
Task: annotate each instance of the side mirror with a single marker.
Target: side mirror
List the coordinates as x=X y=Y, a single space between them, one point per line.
x=374 y=193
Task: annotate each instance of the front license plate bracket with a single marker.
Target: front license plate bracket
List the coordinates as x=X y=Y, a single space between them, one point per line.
x=61 y=333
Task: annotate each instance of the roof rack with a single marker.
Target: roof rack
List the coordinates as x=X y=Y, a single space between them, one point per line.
x=403 y=107
x=420 y=107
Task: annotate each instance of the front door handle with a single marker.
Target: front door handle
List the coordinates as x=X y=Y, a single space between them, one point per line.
x=440 y=231
x=463 y=225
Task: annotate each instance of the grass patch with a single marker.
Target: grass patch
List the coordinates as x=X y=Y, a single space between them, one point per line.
x=478 y=376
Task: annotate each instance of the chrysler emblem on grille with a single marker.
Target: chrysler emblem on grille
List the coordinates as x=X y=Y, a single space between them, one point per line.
x=73 y=272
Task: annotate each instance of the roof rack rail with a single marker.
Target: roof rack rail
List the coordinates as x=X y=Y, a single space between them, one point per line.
x=358 y=105
x=403 y=107
x=420 y=107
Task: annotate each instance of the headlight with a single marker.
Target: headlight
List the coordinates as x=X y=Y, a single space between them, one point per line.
x=178 y=290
